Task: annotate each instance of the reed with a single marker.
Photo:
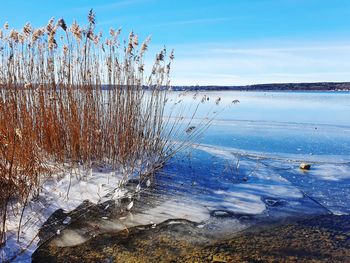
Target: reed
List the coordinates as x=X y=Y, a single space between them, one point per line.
x=70 y=96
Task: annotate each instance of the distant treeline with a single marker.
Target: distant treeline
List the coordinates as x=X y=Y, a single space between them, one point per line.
x=321 y=86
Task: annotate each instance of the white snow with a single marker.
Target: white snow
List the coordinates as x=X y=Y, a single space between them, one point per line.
x=67 y=191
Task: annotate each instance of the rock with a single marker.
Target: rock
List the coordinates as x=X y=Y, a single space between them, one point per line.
x=305 y=166
x=67 y=220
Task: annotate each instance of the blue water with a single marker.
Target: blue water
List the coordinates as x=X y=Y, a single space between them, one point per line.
x=280 y=137
x=277 y=131
x=331 y=108
x=276 y=122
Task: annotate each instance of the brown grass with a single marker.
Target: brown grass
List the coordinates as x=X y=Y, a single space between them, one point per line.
x=69 y=96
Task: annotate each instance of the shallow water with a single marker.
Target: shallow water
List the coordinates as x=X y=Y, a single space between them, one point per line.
x=322 y=239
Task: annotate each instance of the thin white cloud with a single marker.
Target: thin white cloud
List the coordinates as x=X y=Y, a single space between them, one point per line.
x=300 y=48
x=270 y=51
x=238 y=66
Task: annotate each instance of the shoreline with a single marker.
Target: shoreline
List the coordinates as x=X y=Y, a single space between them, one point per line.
x=316 y=87
x=321 y=238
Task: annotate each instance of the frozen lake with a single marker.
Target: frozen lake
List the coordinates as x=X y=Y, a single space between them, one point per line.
x=245 y=171
x=271 y=133
x=278 y=122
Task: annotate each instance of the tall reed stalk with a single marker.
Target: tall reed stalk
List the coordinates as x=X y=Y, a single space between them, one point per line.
x=69 y=96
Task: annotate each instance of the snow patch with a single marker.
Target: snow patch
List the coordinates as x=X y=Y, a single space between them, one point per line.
x=66 y=191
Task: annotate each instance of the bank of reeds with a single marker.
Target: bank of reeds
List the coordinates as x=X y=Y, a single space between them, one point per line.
x=69 y=95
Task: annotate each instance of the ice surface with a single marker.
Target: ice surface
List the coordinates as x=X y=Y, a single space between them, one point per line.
x=329 y=108
x=326 y=183
x=278 y=131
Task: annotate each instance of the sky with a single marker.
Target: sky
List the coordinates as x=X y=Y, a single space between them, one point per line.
x=220 y=42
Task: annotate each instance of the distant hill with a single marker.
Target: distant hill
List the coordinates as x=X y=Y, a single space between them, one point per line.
x=321 y=86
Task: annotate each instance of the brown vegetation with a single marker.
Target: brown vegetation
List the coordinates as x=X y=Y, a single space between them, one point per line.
x=67 y=96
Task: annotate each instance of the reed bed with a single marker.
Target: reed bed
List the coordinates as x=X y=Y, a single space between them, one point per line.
x=70 y=96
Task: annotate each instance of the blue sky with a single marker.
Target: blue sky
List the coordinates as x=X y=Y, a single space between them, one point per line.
x=223 y=42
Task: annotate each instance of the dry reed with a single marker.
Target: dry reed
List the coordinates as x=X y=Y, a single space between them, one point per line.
x=69 y=96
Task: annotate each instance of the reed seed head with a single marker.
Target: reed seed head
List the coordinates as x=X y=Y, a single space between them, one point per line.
x=61 y=23
x=91 y=17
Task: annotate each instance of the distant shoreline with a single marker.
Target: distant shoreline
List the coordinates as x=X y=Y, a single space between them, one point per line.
x=320 y=86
